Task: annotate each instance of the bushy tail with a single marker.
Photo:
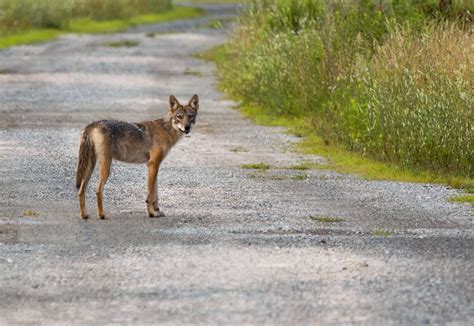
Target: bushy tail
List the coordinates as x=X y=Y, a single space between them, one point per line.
x=87 y=158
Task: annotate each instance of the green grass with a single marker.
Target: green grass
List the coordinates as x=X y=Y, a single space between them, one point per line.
x=89 y=26
x=344 y=161
x=299 y=177
x=468 y=199
x=256 y=166
x=30 y=213
x=215 y=24
x=117 y=25
x=326 y=219
x=381 y=233
x=122 y=43
x=190 y=72
x=238 y=149
x=304 y=166
x=30 y=36
x=339 y=157
x=386 y=82
x=211 y=1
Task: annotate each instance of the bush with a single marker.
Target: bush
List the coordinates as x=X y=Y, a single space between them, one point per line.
x=391 y=79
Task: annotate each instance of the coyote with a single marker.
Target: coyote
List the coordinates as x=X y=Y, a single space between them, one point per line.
x=145 y=142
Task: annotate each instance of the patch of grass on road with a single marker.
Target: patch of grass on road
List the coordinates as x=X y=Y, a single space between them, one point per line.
x=85 y=25
x=238 y=149
x=467 y=199
x=299 y=177
x=215 y=24
x=303 y=166
x=30 y=213
x=256 y=166
x=195 y=73
x=326 y=219
x=30 y=36
x=122 y=43
x=381 y=233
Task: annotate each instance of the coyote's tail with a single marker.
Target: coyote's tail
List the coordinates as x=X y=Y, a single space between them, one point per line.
x=87 y=158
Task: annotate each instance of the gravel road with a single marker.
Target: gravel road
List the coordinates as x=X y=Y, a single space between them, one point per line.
x=236 y=245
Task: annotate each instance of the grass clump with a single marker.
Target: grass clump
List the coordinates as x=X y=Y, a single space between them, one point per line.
x=299 y=177
x=30 y=213
x=256 y=166
x=190 y=72
x=468 y=199
x=381 y=233
x=326 y=219
x=391 y=81
x=238 y=149
x=304 y=166
x=122 y=43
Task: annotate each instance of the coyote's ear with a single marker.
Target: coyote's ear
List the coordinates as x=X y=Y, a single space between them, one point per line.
x=174 y=104
x=194 y=102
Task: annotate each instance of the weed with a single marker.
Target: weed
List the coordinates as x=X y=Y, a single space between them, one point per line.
x=238 y=149
x=216 y=24
x=256 y=166
x=150 y=34
x=381 y=233
x=24 y=27
x=189 y=72
x=122 y=43
x=299 y=177
x=30 y=213
x=303 y=166
x=469 y=199
x=326 y=219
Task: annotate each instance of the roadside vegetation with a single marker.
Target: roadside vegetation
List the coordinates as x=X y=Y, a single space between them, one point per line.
x=381 y=88
x=28 y=21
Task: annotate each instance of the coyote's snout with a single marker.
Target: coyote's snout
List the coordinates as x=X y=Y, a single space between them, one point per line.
x=145 y=142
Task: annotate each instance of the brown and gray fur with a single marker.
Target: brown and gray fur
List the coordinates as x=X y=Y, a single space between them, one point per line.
x=145 y=142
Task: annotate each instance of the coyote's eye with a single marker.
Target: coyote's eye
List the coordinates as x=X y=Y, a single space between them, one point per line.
x=179 y=116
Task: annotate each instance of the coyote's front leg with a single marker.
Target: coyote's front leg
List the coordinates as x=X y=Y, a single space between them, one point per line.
x=152 y=196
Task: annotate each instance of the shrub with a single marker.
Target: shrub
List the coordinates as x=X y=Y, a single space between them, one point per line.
x=392 y=79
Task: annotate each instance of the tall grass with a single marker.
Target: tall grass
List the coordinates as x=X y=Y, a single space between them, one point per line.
x=20 y=15
x=390 y=79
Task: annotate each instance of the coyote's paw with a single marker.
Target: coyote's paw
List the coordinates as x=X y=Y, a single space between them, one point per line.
x=103 y=217
x=85 y=217
x=157 y=213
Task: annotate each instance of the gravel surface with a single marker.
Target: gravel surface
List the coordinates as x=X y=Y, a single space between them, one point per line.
x=236 y=245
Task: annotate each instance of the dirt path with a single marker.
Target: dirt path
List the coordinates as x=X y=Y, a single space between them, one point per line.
x=236 y=245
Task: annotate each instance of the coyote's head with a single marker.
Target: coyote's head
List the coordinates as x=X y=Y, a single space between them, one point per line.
x=183 y=116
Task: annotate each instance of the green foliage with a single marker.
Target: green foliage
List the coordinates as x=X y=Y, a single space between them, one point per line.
x=31 y=36
x=122 y=43
x=389 y=79
x=256 y=166
x=20 y=15
x=381 y=233
x=326 y=219
x=89 y=25
x=469 y=199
